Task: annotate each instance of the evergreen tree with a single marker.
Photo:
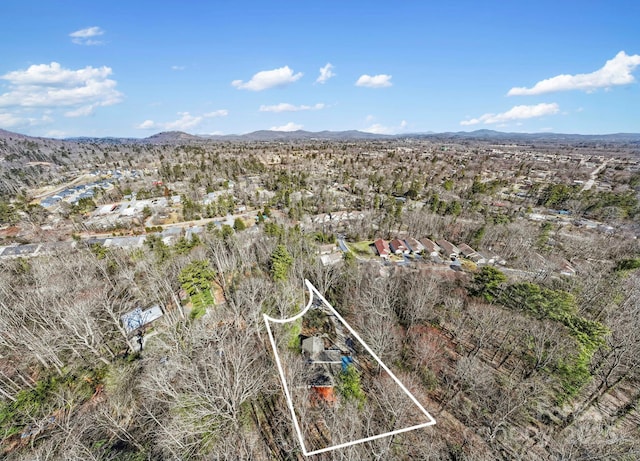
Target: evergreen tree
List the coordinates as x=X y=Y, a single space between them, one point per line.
x=281 y=262
x=487 y=282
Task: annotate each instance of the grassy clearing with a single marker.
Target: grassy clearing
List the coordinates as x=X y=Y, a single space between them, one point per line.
x=362 y=248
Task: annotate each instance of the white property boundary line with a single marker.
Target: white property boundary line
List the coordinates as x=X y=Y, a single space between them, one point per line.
x=312 y=291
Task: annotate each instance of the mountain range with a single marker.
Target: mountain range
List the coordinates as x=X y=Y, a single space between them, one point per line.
x=176 y=137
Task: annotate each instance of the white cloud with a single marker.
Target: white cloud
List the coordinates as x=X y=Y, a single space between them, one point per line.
x=178 y=67
x=375 y=81
x=86 y=36
x=55 y=134
x=288 y=127
x=268 y=79
x=186 y=121
x=286 y=107
x=52 y=86
x=80 y=112
x=616 y=71
x=515 y=113
x=326 y=73
x=216 y=113
x=378 y=128
x=9 y=120
x=147 y=125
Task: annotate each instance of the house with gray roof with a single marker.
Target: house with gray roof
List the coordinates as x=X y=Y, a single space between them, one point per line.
x=138 y=318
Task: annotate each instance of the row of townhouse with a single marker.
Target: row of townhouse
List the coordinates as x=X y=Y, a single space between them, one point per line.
x=439 y=248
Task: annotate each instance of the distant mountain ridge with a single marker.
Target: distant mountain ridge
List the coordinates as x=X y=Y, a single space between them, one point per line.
x=545 y=136
x=269 y=135
x=176 y=137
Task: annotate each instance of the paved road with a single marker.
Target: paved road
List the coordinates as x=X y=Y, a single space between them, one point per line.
x=343 y=246
x=594 y=174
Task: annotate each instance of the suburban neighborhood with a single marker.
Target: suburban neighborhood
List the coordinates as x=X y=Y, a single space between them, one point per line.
x=482 y=273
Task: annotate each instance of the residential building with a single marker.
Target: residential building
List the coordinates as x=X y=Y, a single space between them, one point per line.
x=477 y=258
x=472 y=255
x=382 y=248
x=137 y=318
x=466 y=250
x=398 y=247
x=413 y=245
x=448 y=248
x=430 y=247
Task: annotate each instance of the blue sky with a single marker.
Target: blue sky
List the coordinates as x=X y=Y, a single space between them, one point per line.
x=135 y=68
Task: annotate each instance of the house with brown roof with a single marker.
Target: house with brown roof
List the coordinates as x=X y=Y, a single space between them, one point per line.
x=471 y=254
x=398 y=247
x=382 y=248
x=413 y=245
x=448 y=248
x=430 y=246
x=466 y=250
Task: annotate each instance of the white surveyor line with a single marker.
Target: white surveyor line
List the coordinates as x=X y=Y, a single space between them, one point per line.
x=312 y=291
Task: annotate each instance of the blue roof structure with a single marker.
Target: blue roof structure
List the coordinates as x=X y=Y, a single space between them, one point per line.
x=346 y=361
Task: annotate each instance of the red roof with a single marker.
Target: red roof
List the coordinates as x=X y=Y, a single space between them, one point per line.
x=382 y=247
x=398 y=245
x=323 y=394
